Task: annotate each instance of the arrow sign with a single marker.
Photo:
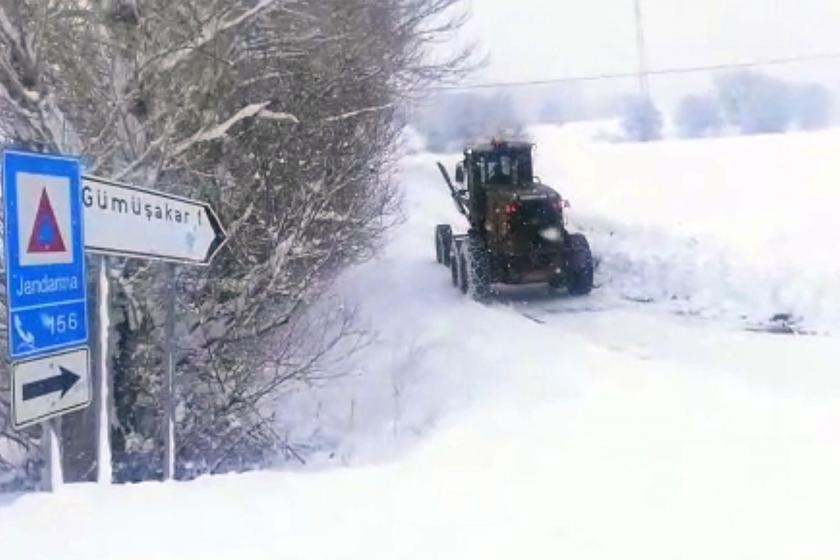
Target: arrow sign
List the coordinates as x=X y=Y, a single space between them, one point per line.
x=131 y=221
x=50 y=386
x=62 y=382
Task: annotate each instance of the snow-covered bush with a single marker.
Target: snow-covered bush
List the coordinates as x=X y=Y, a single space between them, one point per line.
x=698 y=116
x=756 y=103
x=812 y=105
x=641 y=121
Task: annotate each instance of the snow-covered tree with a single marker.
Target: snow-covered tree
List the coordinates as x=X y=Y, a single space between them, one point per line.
x=755 y=103
x=457 y=119
x=283 y=114
x=641 y=121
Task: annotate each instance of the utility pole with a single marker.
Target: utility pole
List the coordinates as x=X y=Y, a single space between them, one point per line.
x=641 y=49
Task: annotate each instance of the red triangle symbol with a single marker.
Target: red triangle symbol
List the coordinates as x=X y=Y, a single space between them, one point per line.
x=46 y=236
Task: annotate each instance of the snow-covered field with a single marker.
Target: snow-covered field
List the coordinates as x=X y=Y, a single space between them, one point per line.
x=742 y=227
x=646 y=421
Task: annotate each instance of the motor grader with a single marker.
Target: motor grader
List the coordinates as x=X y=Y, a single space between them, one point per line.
x=517 y=232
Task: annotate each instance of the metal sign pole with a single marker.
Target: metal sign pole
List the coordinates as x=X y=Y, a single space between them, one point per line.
x=53 y=476
x=103 y=440
x=169 y=401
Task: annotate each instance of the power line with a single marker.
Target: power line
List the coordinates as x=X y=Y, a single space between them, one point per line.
x=653 y=72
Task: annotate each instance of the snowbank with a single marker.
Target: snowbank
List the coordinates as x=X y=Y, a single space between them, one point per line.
x=743 y=227
x=688 y=443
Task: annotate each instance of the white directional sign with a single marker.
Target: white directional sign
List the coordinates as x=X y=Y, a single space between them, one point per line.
x=50 y=386
x=133 y=221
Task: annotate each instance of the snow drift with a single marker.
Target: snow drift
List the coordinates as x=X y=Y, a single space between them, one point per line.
x=742 y=227
x=542 y=426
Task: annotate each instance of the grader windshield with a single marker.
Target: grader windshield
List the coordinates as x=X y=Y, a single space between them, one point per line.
x=505 y=168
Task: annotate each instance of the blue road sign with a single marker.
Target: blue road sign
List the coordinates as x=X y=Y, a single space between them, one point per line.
x=45 y=259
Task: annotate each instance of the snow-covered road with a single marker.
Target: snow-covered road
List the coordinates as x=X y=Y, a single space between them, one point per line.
x=646 y=421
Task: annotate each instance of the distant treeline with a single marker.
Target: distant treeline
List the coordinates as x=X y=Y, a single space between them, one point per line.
x=743 y=102
x=754 y=103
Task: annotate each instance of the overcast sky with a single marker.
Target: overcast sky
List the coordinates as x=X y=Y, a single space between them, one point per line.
x=537 y=39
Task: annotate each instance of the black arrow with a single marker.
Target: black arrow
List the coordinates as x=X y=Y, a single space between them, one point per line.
x=218 y=231
x=43 y=387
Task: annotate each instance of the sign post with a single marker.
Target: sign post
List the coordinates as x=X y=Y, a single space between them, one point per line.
x=104 y=469
x=53 y=475
x=169 y=401
x=46 y=290
x=174 y=229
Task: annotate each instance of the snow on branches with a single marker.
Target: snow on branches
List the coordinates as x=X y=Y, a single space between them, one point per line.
x=284 y=115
